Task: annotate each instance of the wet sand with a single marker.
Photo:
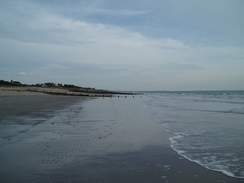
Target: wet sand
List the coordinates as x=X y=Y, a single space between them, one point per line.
x=74 y=139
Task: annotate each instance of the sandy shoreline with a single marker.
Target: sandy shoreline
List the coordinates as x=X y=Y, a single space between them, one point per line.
x=49 y=138
x=23 y=91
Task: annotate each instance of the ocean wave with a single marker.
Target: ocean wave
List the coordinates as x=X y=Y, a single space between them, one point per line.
x=208 y=127
x=211 y=161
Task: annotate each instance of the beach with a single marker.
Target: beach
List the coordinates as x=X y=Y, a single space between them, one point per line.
x=52 y=138
x=27 y=91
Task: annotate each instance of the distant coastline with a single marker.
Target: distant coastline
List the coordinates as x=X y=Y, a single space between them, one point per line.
x=14 y=88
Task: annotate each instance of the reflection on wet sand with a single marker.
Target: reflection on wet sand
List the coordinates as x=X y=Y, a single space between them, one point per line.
x=95 y=140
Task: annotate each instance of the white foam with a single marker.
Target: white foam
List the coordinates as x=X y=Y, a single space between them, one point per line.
x=219 y=169
x=178 y=136
x=214 y=165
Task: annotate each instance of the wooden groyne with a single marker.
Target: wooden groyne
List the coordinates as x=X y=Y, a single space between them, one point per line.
x=69 y=93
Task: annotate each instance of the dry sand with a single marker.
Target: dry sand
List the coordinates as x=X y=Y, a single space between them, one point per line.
x=48 y=138
x=23 y=91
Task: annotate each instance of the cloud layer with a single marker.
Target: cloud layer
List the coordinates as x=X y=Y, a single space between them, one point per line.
x=86 y=47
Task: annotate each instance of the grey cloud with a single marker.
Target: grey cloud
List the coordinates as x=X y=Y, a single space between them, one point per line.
x=180 y=67
x=120 y=12
x=85 y=68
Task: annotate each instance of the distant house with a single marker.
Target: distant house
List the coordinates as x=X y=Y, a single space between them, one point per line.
x=15 y=82
x=50 y=84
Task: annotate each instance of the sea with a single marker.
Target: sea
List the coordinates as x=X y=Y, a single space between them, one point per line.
x=207 y=126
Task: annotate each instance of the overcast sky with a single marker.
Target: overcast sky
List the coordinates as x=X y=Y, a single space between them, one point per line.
x=124 y=44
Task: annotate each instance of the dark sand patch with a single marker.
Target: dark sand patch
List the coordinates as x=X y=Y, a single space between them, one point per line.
x=25 y=105
x=19 y=114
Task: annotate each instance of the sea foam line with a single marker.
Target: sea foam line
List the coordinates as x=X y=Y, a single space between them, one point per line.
x=181 y=153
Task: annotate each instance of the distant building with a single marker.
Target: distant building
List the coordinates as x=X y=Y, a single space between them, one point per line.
x=50 y=84
x=15 y=82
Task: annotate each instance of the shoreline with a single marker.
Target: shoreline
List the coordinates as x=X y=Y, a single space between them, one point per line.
x=226 y=173
x=63 y=138
x=23 y=91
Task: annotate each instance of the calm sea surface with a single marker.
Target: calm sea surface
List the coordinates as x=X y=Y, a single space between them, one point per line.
x=208 y=126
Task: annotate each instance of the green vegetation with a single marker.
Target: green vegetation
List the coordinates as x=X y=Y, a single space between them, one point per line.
x=69 y=87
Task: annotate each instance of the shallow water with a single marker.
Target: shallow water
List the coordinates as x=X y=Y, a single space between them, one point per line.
x=208 y=126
